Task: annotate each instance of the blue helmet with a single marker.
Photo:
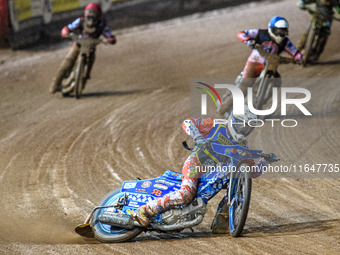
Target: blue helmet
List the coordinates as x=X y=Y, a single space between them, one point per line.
x=278 y=28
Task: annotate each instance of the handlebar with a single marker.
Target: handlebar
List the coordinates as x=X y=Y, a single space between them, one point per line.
x=267 y=55
x=270 y=157
x=85 y=40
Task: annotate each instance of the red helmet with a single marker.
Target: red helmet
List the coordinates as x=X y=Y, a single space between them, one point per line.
x=93 y=14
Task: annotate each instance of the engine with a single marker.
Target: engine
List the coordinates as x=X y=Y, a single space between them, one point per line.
x=184 y=214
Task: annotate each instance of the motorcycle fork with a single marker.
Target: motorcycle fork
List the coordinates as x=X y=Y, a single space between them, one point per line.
x=271 y=67
x=261 y=81
x=228 y=194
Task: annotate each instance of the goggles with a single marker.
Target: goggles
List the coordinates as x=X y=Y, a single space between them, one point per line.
x=242 y=128
x=280 y=31
x=91 y=18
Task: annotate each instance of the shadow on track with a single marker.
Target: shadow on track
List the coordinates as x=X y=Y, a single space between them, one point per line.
x=291 y=228
x=330 y=62
x=115 y=93
x=255 y=231
x=111 y=93
x=172 y=236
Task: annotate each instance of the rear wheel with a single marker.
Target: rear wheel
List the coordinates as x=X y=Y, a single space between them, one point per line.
x=79 y=77
x=110 y=234
x=240 y=200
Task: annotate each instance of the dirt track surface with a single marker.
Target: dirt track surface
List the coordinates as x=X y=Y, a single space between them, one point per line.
x=60 y=156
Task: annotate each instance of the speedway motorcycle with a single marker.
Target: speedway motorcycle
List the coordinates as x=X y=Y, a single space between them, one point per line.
x=111 y=220
x=317 y=37
x=76 y=80
x=268 y=79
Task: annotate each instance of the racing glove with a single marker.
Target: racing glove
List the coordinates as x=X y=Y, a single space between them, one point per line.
x=251 y=43
x=298 y=58
x=301 y=5
x=65 y=32
x=270 y=158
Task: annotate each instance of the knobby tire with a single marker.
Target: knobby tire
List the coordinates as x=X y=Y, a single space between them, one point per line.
x=242 y=183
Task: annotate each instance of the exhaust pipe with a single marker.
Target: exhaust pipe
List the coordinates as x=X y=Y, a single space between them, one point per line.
x=125 y=221
x=118 y=220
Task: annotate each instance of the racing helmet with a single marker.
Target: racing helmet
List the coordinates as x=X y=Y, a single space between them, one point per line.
x=93 y=14
x=278 y=28
x=238 y=125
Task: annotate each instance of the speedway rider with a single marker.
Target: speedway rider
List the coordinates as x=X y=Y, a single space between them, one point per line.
x=323 y=7
x=274 y=40
x=201 y=131
x=91 y=25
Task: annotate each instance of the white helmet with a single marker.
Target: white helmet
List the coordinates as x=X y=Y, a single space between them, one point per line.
x=238 y=125
x=278 y=28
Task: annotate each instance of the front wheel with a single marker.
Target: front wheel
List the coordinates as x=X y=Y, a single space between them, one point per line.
x=264 y=86
x=240 y=200
x=107 y=233
x=79 y=80
x=309 y=46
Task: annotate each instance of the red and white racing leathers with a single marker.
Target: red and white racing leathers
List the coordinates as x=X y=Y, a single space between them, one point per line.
x=256 y=62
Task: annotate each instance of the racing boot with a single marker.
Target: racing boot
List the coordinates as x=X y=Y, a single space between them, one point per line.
x=65 y=68
x=220 y=222
x=141 y=215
